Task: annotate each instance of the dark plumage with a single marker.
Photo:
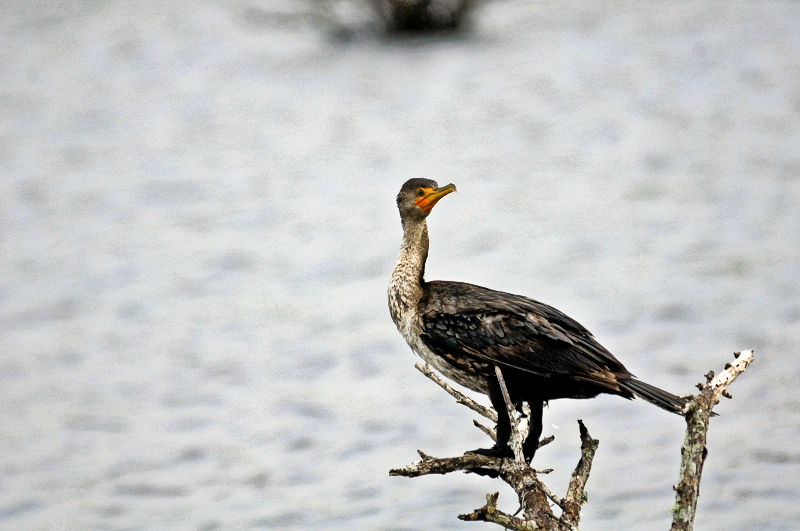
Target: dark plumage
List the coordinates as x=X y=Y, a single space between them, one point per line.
x=465 y=331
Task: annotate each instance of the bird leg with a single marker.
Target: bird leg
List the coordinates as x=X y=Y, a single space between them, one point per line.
x=501 y=447
x=531 y=443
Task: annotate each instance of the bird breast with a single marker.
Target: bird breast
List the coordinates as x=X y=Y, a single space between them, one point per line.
x=470 y=373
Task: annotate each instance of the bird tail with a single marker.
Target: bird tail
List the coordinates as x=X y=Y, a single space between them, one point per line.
x=654 y=395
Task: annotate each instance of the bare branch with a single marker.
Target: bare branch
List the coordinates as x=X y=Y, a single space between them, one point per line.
x=558 y=500
x=490 y=513
x=516 y=438
x=547 y=440
x=488 y=431
x=720 y=383
x=576 y=494
x=460 y=397
x=694 y=452
x=534 y=496
x=468 y=462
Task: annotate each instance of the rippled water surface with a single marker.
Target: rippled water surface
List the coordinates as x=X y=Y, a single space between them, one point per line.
x=198 y=225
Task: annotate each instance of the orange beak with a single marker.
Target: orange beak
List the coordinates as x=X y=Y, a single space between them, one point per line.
x=432 y=196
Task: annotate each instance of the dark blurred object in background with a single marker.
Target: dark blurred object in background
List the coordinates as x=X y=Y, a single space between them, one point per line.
x=422 y=15
x=347 y=19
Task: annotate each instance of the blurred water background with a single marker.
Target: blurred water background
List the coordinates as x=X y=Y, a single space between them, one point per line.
x=198 y=225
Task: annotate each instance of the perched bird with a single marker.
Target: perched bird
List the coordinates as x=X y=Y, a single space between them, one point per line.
x=466 y=331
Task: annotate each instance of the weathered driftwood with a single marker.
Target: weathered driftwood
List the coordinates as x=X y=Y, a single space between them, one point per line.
x=535 y=497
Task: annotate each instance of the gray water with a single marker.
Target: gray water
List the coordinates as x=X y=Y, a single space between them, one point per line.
x=198 y=225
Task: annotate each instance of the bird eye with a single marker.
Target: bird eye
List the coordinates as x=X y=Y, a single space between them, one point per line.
x=420 y=192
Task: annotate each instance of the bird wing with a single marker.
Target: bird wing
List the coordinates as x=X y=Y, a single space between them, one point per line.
x=467 y=320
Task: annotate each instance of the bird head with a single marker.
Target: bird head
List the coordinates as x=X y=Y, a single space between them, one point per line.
x=418 y=196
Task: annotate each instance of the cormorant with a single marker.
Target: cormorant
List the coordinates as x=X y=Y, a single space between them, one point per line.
x=465 y=331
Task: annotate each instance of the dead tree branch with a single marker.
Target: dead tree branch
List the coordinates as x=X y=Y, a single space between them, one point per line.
x=694 y=452
x=460 y=397
x=534 y=496
x=516 y=436
x=536 y=500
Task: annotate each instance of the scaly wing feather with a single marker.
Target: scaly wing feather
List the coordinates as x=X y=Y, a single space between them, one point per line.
x=511 y=330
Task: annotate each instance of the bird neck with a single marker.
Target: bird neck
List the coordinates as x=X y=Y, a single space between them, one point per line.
x=405 y=288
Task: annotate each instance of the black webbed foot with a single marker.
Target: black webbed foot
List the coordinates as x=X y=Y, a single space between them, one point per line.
x=494 y=451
